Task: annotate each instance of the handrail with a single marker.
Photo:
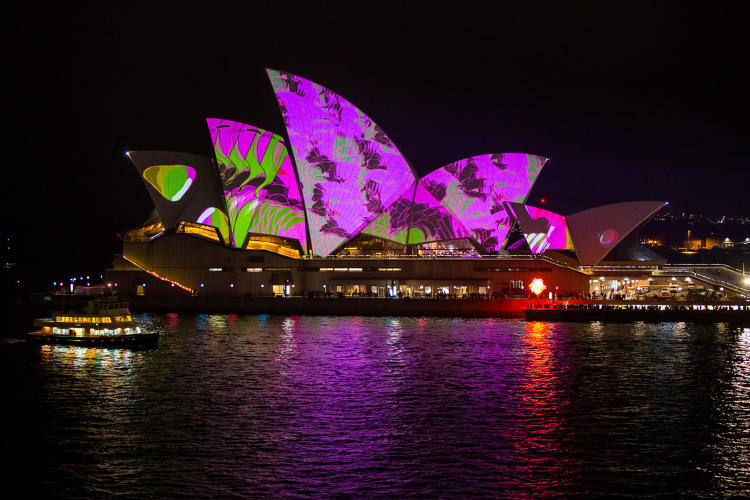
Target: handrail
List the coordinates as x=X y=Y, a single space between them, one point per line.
x=709 y=279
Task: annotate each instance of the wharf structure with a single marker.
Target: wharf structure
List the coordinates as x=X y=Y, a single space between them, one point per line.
x=334 y=209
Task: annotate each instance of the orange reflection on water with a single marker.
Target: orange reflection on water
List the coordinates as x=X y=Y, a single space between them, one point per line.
x=539 y=388
x=540 y=435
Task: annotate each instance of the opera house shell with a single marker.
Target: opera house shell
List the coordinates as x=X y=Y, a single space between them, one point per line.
x=336 y=186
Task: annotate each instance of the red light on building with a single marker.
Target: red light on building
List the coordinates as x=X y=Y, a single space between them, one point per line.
x=537 y=286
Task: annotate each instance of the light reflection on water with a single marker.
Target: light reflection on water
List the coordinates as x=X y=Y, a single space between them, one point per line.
x=362 y=406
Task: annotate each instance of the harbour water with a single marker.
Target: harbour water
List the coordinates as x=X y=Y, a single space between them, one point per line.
x=383 y=406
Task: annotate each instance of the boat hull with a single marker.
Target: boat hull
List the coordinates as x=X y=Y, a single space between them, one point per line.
x=149 y=339
x=631 y=315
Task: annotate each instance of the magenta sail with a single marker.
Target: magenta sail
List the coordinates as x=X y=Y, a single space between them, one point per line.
x=431 y=221
x=543 y=230
x=349 y=168
x=258 y=181
x=474 y=189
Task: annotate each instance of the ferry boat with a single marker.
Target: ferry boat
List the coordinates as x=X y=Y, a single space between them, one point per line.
x=106 y=323
x=688 y=312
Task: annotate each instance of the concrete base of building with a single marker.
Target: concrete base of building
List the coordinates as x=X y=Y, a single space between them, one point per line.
x=345 y=306
x=354 y=306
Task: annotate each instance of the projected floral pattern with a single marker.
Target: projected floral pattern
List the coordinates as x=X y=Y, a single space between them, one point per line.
x=473 y=190
x=430 y=221
x=542 y=229
x=260 y=187
x=349 y=168
x=393 y=223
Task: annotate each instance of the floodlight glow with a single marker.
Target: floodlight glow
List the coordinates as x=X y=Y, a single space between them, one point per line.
x=537 y=286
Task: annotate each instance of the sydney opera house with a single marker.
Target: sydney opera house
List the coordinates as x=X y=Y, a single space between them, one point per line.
x=334 y=207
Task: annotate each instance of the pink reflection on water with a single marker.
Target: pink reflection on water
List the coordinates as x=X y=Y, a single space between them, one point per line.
x=172 y=319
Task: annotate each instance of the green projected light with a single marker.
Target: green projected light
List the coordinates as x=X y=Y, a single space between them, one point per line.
x=170 y=181
x=261 y=191
x=213 y=216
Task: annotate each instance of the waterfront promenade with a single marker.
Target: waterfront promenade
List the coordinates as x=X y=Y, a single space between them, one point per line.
x=365 y=306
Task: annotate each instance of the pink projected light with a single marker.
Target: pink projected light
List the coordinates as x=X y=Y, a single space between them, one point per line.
x=350 y=170
x=393 y=224
x=430 y=221
x=474 y=189
x=260 y=187
x=542 y=229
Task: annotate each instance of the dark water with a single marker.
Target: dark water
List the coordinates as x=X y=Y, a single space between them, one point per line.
x=319 y=406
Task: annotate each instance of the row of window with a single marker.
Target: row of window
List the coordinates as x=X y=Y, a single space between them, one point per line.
x=85 y=319
x=248 y=269
x=323 y=269
x=116 y=331
x=357 y=269
x=511 y=269
x=79 y=332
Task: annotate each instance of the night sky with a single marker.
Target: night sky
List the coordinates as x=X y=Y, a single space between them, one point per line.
x=630 y=102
